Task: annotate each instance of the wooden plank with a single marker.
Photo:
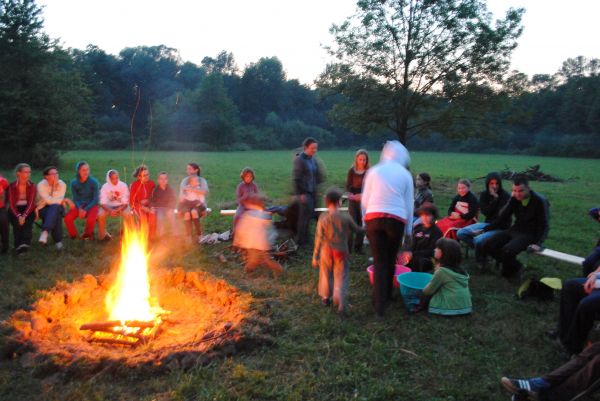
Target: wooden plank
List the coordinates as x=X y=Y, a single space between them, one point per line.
x=565 y=257
x=231 y=212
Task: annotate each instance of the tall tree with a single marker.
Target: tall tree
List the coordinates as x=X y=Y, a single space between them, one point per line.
x=43 y=101
x=261 y=89
x=417 y=66
x=217 y=114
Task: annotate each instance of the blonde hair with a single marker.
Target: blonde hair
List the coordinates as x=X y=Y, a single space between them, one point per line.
x=361 y=152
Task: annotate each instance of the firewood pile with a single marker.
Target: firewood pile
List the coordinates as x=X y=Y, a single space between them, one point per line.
x=208 y=319
x=532 y=173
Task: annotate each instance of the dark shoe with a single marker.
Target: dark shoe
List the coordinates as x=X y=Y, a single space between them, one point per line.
x=325 y=301
x=552 y=334
x=107 y=237
x=530 y=387
x=86 y=237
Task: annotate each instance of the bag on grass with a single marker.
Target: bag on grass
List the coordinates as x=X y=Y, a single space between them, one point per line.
x=542 y=289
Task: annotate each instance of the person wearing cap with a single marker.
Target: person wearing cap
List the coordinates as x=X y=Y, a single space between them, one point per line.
x=387 y=203
x=419 y=256
x=85 y=191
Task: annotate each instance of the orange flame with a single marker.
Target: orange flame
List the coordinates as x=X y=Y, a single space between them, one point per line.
x=129 y=298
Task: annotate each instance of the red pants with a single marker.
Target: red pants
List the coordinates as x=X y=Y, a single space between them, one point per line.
x=146 y=219
x=90 y=222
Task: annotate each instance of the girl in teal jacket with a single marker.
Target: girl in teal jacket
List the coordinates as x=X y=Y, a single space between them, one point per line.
x=449 y=287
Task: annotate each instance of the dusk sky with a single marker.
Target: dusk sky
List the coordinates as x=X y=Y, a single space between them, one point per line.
x=294 y=31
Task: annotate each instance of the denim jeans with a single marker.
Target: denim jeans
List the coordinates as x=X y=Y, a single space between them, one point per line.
x=52 y=221
x=467 y=235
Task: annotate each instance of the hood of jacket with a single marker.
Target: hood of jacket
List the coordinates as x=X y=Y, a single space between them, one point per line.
x=396 y=152
x=493 y=176
x=462 y=279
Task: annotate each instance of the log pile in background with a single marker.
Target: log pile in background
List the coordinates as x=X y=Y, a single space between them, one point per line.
x=532 y=173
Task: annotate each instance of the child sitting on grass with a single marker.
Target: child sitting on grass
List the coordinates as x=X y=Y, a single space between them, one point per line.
x=449 y=287
x=252 y=235
x=331 y=251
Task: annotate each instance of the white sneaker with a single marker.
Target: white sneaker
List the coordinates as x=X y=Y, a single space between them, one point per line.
x=59 y=245
x=44 y=237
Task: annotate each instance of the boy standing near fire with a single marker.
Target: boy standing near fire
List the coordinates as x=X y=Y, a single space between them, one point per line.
x=331 y=252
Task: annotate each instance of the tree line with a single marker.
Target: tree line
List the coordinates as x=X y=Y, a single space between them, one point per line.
x=433 y=74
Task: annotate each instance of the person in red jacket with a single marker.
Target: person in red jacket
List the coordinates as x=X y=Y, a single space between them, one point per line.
x=21 y=207
x=3 y=215
x=140 y=195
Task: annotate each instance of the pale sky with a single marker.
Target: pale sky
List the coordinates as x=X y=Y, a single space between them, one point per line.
x=293 y=30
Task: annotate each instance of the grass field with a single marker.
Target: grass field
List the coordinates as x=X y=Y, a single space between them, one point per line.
x=317 y=356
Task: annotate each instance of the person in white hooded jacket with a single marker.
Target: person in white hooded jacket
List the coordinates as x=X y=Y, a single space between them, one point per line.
x=387 y=205
x=114 y=202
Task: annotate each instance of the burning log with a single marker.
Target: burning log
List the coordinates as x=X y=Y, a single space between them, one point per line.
x=109 y=325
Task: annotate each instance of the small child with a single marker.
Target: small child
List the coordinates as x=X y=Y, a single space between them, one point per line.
x=192 y=206
x=163 y=203
x=331 y=251
x=253 y=235
x=245 y=189
x=449 y=287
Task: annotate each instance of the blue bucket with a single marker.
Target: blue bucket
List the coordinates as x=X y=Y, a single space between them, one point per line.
x=411 y=288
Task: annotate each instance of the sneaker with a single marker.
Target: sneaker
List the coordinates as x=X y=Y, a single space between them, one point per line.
x=531 y=387
x=59 y=245
x=44 y=237
x=22 y=248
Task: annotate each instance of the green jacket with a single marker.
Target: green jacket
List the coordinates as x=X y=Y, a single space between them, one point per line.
x=449 y=293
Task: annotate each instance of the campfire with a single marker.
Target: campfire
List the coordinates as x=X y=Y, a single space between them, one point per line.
x=134 y=316
x=138 y=316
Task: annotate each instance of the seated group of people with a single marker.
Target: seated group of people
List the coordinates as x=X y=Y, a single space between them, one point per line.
x=22 y=203
x=497 y=235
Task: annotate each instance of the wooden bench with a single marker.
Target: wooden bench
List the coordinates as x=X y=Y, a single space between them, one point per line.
x=231 y=212
x=565 y=257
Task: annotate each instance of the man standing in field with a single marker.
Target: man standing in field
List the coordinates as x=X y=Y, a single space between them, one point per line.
x=306 y=177
x=530 y=227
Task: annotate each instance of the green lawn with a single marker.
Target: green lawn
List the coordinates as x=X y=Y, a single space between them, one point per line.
x=315 y=355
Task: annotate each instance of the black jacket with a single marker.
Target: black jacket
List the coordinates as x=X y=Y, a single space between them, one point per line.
x=306 y=175
x=531 y=219
x=472 y=203
x=490 y=206
x=424 y=240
